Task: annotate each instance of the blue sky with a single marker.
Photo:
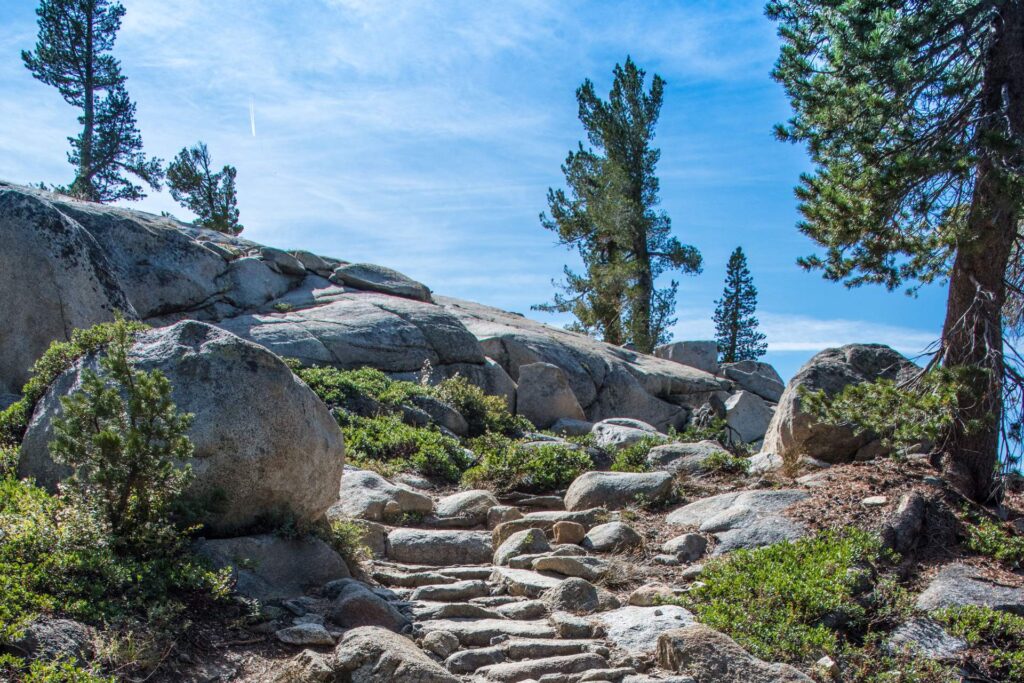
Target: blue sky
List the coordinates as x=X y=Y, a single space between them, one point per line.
x=424 y=136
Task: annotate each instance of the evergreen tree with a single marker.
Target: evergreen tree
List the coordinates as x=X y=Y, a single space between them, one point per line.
x=207 y=193
x=735 y=323
x=610 y=215
x=73 y=54
x=913 y=113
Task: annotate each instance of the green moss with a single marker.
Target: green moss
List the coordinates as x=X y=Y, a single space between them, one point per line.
x=56 y=359
x=1000 y=633
x=506 y=465
x=387 y=445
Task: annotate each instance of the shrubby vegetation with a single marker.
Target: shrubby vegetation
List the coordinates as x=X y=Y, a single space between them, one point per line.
x=633 y=458
x=387 y=445
x=725 y=462
x=991 y=538
x=507 y=465
x=56 y=359
x=109 y=550
x=903 y=416
x=797 y=601
x=485 y=414
x=1000 y=633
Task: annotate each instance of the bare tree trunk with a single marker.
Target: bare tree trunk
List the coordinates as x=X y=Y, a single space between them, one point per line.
x=972 y=334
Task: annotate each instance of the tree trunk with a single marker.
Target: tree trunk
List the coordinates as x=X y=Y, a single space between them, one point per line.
x=972 y=334
x=83 y=183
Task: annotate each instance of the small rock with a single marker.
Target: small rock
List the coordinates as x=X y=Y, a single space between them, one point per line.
x=874 y=501
x=612 y=537
x=474 y=504
x=441 y=643
x=617 y=433
x=650 y=594
x=305 y=634
x=573 y=595
x=571 y=626
x=686 y=548
x=827 y=668
x=502 y=513
x=569 y=532
x=926 y=637
x=528 y=541
x=589 y=568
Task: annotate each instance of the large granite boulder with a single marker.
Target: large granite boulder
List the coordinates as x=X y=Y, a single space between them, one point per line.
x=379 y=279
x=55 y=278
x=268 y=567
x=265 y=445
x=702 y=355
x=794 y=433
x=544 y=395
x=743 y=519
x=608 y=381
x=614 y=490
x=367 y=495
x=713 y=657
x=747 y=416
x=370 y=654
x=756 y=377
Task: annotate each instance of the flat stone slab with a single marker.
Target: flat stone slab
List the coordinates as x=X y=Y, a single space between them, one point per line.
x=636 y=629
x=524 y=582
x=925 y=637
x=478 y=632
x=443 y=547
x=744 y=519
x=510 y=672
x=959 y=584
x=451 y=592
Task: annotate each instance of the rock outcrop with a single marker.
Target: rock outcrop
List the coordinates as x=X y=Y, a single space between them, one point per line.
x=313 y=308
x=265 y=445
x=794 y=433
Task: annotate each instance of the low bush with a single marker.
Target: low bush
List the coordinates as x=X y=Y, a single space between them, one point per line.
x=716 y=430
x=56 y=359
x=726 y=463
x=387 y=445
x=783 y=602
x=346 y=537
x=485 y=414
x=506 y=465
x=337 y=387
x=17 y=669
x=633 y=458
x=992 y=539
x=1000 y=634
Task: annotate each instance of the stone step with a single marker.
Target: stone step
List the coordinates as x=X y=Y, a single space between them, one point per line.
x=424 y=611
x=511 y=672
x=457 y=572
x=524 y=582
x=518 y=649
x=480 y=632
x=390 y=577
x=460 y=591
x=439 y=547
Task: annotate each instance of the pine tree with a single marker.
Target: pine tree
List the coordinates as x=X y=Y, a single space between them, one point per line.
x=913 y=113
x=735 y=323
x=73 y=54
x=610 y=215
x=208 y=194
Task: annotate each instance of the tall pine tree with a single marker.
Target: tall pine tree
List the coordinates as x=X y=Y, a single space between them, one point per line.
x=913 y=113
x=207 y=193
x=72 y=54
x=735 y=323
x=610 y=216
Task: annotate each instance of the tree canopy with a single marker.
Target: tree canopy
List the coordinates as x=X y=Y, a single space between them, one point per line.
x=207 y=193
x=735 y=322
x=610 y=214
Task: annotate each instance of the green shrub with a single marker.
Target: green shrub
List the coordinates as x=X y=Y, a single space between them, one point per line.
x=726 y=463
x=387 y=445
x=346 y=537
x=8 y=460
x=633 y=458
x=902 y=416
x=339 y=387
x=716 y=430
x=56 y=359
x=124 y=440
x=991 y=538
x=283 y=307
x=485 y=414
x=55 y=558
x=775 y=601
x=16 y=669
x=506 y=465
x=1000 y=633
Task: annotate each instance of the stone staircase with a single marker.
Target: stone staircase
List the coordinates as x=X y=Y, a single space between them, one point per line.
x=490 y=623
